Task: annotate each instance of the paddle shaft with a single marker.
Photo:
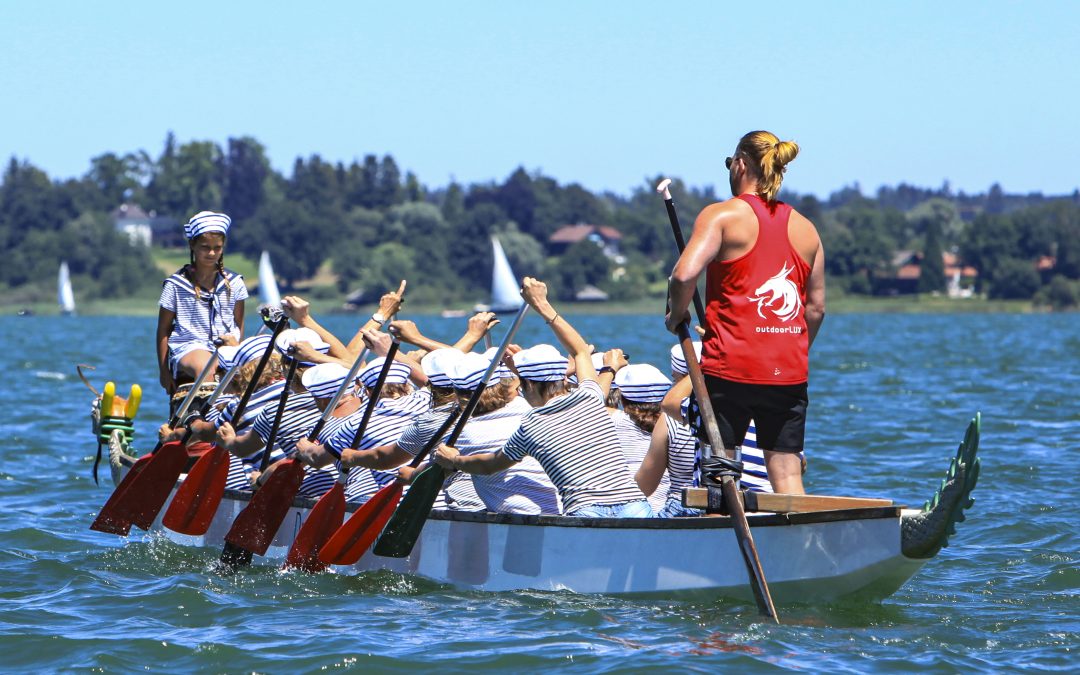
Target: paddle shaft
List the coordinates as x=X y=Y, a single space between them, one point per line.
x=676 y=230
x=241 y=407
x=732 y=498
x=272 y=438
x=313 y=435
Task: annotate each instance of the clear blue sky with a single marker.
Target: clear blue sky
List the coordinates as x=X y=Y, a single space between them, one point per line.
x=601 y=93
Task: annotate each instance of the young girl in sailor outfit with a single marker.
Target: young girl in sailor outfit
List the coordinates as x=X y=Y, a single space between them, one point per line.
x=570 y=433
x=200 y=302
x=641 y=389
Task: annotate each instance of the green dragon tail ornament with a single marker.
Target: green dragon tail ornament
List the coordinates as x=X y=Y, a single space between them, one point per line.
x=925 y=533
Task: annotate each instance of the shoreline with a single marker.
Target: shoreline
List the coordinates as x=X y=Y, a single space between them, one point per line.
x=147 y=306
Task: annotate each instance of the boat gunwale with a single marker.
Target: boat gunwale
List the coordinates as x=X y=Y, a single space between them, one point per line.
x=711 y=522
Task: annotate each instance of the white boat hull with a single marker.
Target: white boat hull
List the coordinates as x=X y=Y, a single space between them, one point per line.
x=806 y=557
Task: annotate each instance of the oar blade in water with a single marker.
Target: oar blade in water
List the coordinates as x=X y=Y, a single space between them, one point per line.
x=404 y=527
x=325 y=519
x=110 y=520
x=142 y=493
x=255 y=526
x=355 y=537
x=197 y=498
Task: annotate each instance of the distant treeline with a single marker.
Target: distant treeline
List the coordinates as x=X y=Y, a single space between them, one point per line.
x=376 y=225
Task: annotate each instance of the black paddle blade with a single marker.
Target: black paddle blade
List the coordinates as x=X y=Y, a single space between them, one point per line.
x=400 y=535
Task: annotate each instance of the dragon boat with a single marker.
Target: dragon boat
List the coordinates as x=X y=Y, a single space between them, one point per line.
x=813 y=548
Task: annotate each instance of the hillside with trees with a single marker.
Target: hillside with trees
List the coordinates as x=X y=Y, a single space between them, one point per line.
x=370 y=224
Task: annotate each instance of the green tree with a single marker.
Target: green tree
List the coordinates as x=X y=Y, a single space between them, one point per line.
x=583 y=263
x=246 y=172
x=1013 y=279
x=990 y=240
x=932 y=274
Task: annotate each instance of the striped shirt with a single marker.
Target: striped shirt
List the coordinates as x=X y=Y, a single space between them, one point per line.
x=297 y=421
x=522 y=488
x=459 y=493
x=209 y=315
x=682 y=456
x=754 y=478
x=261 y=398
x=634 y=443
x=574 y=439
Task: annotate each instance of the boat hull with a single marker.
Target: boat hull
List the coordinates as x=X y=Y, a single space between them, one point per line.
x=806 y=557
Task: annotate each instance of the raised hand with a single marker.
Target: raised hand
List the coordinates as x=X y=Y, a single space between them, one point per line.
x=534 y=292
x=296 y=308
x=481 y=323
x=377 y=341
x=390 y=303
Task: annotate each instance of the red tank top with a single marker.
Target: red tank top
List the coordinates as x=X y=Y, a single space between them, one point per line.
x=755 y=307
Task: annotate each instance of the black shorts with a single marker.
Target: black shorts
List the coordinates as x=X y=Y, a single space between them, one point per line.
x=778 y=411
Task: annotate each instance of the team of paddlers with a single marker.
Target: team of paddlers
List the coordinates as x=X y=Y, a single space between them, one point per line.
x=556 y=430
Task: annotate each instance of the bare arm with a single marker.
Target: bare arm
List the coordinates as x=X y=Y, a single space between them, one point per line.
x=534 y=292
x=815 y=295
x=672 y=403
x=407 y=332
x=238 y=316
x=703 y=247
x=313 y=453
x=389 y=305
x=384 y=457
x=241 y=445
x=614 y=359
x=656 y=459
x=298 y=309
x=481 y=463
x=479 y=325
x=164 y=330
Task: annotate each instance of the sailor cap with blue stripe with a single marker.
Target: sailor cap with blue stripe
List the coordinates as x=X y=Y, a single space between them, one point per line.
x=597 y=364
x=226 y=356
x=287 y=338
x=251 y=349
x=542 y=363
x=398 y=374
x=438 y=365
x=502 y=372
x=469 y=371
x=207 y=221
x=678 y=363
x=642 y=383
x=324 y=380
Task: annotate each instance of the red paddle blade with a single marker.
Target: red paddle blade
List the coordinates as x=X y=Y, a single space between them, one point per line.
x=355 y=537
x=197 y=498
x=325 y=519
x=255 y=526
x=108 y=520
x=144 y=496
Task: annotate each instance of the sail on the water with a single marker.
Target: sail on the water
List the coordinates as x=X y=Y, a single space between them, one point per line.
x=505 y=296
x=268 y=289
x=64 y=296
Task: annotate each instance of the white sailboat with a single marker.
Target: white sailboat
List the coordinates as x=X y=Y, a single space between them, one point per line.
x=505 y=296
x=64 y=296
x=268 y=289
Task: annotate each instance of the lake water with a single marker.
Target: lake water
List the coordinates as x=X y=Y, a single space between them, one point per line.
x=890 y=398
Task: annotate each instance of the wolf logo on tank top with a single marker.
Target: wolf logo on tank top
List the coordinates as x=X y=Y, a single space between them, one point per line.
x=780 y=295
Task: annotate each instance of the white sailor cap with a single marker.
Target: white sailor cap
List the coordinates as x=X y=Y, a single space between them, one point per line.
x=597 y=364
x=398 y=374
x=324 y=380
x=251 y=349
x=226 y=355
x=469 y=371
x=207 y=221
x=287 y=338
x=678 y=363
x=438 y=365
x=501 y=371
x=542 y=363
x=642 y=383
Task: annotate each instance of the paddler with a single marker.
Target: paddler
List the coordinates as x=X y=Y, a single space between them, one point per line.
x=200 y=302
x=765 y=301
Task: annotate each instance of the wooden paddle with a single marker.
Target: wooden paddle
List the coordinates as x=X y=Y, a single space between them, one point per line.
x=270 y=502
x=404 y=527
x=729 y=489
x=147 y=485
x=197 y=499
x=328 y=513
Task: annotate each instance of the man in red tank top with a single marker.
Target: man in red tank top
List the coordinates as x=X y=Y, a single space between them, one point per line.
x=764 y=303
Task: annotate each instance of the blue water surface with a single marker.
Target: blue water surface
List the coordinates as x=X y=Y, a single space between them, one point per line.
x=890 y=398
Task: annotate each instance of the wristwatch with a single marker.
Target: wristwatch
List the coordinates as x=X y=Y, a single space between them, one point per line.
x=377 y=317
x=605 y=369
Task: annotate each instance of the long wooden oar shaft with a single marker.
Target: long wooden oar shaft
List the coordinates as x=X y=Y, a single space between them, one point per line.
x=676 y=231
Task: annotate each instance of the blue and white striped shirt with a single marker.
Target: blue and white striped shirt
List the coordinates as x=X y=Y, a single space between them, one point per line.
x=574 y=439
x=634 y=443
x=200 y=319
